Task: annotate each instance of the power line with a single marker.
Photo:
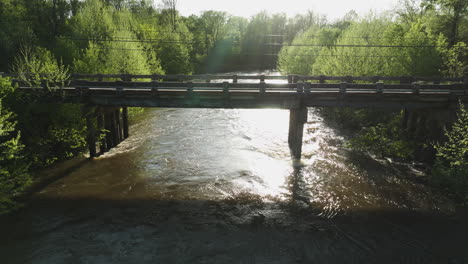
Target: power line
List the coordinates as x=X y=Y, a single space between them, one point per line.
x=265 y=44
x=274 y=55
x=338 y=37
x=359 y=46
x=342 y=55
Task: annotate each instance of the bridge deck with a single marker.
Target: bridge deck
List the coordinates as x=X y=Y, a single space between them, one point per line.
x=232 y=91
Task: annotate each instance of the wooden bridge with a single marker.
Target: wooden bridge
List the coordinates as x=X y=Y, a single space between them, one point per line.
x=111 y=92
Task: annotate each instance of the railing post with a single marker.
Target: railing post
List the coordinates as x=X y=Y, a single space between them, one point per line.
x=294 y=78
x=343 y=87
x=119 y=90
x=416 y=88
x=379 y=88
x=126 y=77
x=375 y=79
x=225 y=87
x=262 y=78
x=290 y=79
x=322 y=79
x=406 y=79
x=262 y=86
x=299 y=87
x=154 y=86
x=307 y=86
x=189 y=87
x=234 y=78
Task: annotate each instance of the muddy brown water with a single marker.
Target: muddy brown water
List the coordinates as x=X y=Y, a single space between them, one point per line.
x=218 y=186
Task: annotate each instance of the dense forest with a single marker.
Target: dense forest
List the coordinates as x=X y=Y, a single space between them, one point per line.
x=55 y=38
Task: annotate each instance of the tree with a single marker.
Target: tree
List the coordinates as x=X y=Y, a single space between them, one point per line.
x=214 y=27
x=36 y=65
x=171 y=11
x=14 y=175
x=52 y=131
x=409 y=11
x=453 y=12
x=451 y=168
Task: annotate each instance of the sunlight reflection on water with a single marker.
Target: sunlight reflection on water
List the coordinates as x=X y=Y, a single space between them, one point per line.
x=218 y=153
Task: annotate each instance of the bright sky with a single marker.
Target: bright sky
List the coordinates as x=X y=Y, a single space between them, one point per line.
x=331 y=8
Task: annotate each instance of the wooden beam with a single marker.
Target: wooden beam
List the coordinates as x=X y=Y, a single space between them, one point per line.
x=91 y=135
x=125 y=122
x=108 y=120
x=115 y=127
x=100 y=126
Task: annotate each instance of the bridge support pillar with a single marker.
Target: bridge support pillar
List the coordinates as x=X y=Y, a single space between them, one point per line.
x=100 y=127
x=297 y=119
x=116 y=126
x=125 y=122
x=108 y=125
x=91 y=135
x=113 y=121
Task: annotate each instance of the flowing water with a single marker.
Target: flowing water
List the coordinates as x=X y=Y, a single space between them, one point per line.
x=219 y=186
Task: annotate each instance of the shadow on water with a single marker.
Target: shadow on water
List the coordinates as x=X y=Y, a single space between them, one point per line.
x=246 y=228
x=51 y=175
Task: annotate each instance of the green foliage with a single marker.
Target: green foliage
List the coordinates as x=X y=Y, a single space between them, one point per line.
x=449 y=17
x=14 y=175
x=375 y=131
x=14 y=30
x=35 y=65
x=52 y=131
x=357 y=61
x=416 y=51
x=384 y=139
x=451 y=168
x=455 y=150
x=455 y=62
x=301 y=56
x=173 y=49
x=110 y=46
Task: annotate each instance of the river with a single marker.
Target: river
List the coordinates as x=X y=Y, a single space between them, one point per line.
x=219 y=186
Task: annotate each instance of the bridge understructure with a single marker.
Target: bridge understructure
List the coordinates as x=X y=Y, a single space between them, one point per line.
x=106 y=98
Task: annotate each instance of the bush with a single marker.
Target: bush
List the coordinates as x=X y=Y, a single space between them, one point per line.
x=451 y=168
x=14 y=175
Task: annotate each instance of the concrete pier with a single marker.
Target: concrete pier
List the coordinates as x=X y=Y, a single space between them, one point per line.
x=297 y=119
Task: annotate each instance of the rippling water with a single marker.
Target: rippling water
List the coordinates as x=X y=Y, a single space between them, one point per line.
x=219 y=153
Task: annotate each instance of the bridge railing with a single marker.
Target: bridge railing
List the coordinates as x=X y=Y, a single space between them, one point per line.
x=295 y=83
